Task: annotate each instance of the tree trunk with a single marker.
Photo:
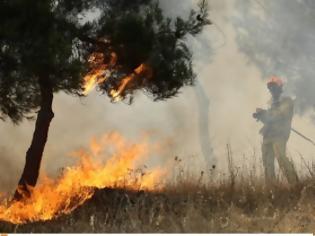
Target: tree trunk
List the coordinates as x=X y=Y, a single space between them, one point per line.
x=35 y=152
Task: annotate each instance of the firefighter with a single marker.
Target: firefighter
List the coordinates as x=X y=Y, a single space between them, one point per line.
x=276 y=131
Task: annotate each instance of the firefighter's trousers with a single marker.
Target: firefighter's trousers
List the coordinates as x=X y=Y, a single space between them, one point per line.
x=276 y=149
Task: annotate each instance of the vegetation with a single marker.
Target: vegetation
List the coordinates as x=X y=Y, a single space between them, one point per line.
x=188 y=204
x=46 y=47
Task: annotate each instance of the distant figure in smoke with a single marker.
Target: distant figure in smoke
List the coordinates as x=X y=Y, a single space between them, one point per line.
x=276 y=131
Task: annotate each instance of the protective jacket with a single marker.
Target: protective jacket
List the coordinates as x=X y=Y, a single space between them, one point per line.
x=277 y=120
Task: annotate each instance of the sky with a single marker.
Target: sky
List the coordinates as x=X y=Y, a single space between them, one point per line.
x=234 y=86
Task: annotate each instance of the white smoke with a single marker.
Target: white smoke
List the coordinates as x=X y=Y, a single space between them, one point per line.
x=234 y=87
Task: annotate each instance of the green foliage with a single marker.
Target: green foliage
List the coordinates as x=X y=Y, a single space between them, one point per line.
x=34 y=43
x=144 y=35
x=51 y=40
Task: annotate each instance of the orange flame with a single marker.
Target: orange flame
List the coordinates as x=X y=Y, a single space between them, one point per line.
x=52 y=198
x=98 y=73
x=139 y=71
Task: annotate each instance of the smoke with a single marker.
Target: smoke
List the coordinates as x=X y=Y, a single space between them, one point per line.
x=233 y=86
x=7 y=180
x=278 y=37
x=249 y=41
x=205 y=140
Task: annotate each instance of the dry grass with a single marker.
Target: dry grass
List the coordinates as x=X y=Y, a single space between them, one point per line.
x=192 y=204
x=190 y=208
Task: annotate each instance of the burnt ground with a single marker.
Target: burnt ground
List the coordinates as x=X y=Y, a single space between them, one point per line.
x=226 y=208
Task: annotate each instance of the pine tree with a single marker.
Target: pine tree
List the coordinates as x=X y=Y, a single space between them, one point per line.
x=49 y=46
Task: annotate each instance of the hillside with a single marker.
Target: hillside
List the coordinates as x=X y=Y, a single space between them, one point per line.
x=188 y=208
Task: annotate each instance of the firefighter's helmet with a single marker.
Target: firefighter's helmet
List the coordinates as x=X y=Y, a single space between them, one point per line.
x=275 y=80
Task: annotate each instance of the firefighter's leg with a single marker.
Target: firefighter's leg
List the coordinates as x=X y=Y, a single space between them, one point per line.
x=285 y=164
x=269 y=162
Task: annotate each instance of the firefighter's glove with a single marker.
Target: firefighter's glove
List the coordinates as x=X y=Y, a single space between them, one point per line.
x=259 y=113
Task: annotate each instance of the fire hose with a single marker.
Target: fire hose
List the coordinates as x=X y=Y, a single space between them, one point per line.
x=303 y=136
x=294 y=130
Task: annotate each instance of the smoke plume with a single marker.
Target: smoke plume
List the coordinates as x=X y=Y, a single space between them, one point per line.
x=232 y=80
x=278 y=37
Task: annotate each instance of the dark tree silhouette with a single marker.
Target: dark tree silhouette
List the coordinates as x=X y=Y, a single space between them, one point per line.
x=49 y=46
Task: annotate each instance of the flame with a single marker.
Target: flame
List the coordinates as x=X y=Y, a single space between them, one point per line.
x=99 y=71
x=52 y=198
x=139 y=71
x=92 y=79
x=115 y=94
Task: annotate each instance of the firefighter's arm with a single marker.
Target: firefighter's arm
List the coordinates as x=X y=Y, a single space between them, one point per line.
x=273 y=115
x=260 y=114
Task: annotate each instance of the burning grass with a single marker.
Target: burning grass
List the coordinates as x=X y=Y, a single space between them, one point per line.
x=52 y=198
x=117 y=196
x=188 y=208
